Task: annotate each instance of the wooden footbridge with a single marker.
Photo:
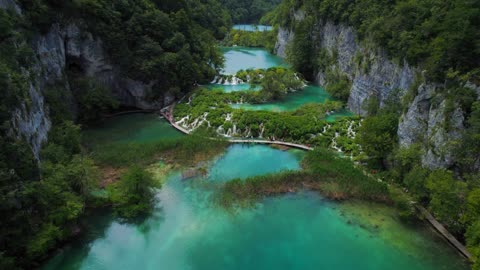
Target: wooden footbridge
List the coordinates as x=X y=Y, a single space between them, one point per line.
x=168 y=114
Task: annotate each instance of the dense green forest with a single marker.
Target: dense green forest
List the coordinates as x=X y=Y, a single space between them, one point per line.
x=264 y=39
x=249 y=11
x=170 y=42
x=440 y=37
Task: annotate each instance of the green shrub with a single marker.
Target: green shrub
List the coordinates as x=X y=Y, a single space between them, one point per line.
x=133 y=196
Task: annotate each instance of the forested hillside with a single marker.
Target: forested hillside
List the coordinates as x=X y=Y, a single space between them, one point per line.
x=168 y=44
x=249 y=11
x=412 y=68
x=440 y=36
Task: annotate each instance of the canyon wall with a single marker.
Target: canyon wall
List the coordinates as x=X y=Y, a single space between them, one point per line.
x=62 y=47
x=373 y=74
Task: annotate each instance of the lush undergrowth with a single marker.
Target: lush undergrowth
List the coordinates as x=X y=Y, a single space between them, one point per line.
x=306 y=125
x=334 y=177
x=275 y=83
x=249 y=11
x=263 y=39
x=187 y=150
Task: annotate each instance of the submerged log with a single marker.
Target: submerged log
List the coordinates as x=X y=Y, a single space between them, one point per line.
x=192 y=173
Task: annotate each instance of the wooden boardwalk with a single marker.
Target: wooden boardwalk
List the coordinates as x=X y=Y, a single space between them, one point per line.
x=128 y=112
x=292 y=145
x=445 y=233
x=168 y=114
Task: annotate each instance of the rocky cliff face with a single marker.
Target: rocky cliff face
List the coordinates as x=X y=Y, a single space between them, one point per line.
x=10 y=5
x=57 y=50
x=63 y=47
x=373 y=74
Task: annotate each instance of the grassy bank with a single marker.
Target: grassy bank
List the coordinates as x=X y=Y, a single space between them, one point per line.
x=334 y=177
x=186 y=151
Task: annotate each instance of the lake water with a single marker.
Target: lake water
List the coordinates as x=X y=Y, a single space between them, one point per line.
x=252 y=28
x=295 y=231
x=292 y=101
x=138 y=127
x=238 y=58
x=234 y=88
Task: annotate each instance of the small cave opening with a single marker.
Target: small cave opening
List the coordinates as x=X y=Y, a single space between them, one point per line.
x=74 y=66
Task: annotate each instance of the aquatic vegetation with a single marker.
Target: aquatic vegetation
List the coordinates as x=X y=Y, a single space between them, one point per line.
x=133 y=195
x=264 y=39
x=185 y=150
x=334 y=177
x=238 y=58
x=307 y=125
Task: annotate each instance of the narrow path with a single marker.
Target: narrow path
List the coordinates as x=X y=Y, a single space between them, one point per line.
x=445 y=233
x=128 y=112
x=168 y=114
x=293 y=145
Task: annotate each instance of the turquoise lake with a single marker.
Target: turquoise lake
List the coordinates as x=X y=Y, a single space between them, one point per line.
x=293 y=101
x=139 y=128
x=234 y=88
x=295 y=231
x=238 y=58
x=252 y=28
x=298 y=231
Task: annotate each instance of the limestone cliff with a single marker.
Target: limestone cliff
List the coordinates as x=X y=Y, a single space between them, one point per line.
x=62 y=47
x=373 y=74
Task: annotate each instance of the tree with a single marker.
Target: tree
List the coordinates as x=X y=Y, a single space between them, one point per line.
x=447 y=196
x=472 y=211
x=378 y=136
x=415 y=181
x=133 y=195
x=473 y=242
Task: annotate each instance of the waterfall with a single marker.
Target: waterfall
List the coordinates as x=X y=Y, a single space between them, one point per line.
x=334 y=143
x=226 y=80
x=350 y=133
x=182 y=121
x=262 y=129
x=325 y=128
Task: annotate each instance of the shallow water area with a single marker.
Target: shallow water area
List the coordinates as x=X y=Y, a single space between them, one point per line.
x=252 y=27
x=234 y=88
x=138 y=127
x=294 y=231
x=293 y=101
x=339 y=115
x=238 y=58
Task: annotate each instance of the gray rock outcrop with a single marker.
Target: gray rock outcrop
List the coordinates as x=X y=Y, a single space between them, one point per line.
x=55 y=52
x=373 y=74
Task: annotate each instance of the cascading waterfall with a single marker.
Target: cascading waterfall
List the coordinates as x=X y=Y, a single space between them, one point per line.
x=227 y=80
x=334 y=143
